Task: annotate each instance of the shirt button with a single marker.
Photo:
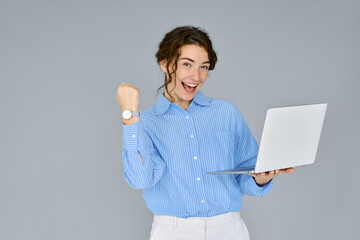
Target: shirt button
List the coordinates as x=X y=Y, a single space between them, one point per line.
x=198 y=179
x=133 y=136
x=195 y=157
x=187 y=117
x=192 y=136
x=202 y=201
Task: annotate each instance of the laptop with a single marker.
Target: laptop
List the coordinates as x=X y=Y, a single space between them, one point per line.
x=290 y=138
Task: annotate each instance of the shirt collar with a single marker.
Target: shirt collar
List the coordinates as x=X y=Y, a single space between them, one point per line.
x=163 y=104
x=201 y=99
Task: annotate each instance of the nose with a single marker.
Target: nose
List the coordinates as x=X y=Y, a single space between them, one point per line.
x=195 y=74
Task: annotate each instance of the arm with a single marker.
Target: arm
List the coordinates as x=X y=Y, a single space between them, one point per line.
x=143 y=166
x=246 y=150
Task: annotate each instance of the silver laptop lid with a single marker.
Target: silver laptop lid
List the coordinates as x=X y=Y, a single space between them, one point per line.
x=290 y=136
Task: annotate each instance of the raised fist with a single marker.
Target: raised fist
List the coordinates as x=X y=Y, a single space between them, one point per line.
x=128 y=97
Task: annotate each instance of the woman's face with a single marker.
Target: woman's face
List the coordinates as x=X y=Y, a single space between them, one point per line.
x=192 y=71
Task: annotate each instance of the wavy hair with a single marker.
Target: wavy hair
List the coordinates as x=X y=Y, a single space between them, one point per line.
x=169 y=50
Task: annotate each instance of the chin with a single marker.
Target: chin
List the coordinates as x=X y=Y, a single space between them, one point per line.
x=189 y=96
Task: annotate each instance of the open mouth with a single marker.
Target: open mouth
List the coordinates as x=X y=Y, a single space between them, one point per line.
x=189 y=88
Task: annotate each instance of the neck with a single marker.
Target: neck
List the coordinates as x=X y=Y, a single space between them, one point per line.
x=183 y=104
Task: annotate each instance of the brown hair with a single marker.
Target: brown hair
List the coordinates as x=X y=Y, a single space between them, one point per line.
x=169 y=49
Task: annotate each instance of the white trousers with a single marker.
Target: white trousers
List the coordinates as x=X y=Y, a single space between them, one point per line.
x=222 y=227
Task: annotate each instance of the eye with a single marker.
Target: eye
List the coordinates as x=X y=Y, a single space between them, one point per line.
x=205 y=67
x=186 y=64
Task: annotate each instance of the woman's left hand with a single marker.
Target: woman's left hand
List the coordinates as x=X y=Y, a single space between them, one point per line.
x=265 y=177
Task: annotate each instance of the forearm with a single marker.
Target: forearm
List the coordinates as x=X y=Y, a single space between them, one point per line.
x=248 y=186
x=138 y=172
x=143 y=167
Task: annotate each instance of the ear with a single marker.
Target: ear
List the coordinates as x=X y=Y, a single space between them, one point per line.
x=163 y=65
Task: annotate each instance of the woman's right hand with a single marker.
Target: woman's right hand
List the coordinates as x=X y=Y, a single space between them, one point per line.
x=128 y=97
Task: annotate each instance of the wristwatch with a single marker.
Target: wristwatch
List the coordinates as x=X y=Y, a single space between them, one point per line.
x=127 y=114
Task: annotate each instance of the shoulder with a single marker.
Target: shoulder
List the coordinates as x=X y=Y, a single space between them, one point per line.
x=229 y=113
x=224 y=106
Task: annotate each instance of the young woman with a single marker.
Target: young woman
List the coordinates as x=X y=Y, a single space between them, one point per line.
x=169 y=148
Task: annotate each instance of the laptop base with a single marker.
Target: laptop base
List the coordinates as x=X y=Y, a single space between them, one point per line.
x=241 y=170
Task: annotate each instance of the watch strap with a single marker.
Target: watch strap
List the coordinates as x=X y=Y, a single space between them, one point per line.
x=135 y=113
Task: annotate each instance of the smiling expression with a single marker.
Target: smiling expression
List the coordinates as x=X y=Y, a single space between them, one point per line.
x=191 y=73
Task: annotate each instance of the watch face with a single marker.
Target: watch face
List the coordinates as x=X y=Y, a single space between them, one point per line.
x=126 y=114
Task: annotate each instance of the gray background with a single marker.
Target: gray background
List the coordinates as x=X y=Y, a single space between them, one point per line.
x=61 y=174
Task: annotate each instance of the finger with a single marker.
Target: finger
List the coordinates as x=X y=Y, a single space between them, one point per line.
x=260 y=174
x=288 y=170
x=278 y=172
x=131 y=86
x=121 y=87
x=255 y=175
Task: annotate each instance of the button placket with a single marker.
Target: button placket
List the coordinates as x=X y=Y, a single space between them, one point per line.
x=194 y=150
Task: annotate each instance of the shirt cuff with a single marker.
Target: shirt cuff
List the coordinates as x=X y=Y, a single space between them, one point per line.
x=264 y=189
x=134 y=136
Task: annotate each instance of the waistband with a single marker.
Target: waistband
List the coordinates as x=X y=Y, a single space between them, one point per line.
x=198 y=222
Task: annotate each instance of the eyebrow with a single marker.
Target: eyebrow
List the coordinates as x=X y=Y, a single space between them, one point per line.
x=189 y=59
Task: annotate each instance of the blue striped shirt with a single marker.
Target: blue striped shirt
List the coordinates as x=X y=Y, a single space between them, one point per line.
x=178 y=147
